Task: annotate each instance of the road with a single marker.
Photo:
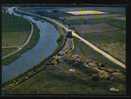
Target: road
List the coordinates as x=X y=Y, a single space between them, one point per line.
x=109 y=57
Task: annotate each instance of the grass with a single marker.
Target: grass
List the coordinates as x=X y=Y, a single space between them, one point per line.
x=113 y=41
x=114 y=22
x=33 y=42
x=15 y=30
x=87 y=53
x=96 y=19
x=6 y=51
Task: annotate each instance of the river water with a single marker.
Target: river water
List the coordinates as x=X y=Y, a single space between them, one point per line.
x=44 y=47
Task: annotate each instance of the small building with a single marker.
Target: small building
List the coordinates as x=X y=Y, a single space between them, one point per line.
x=71 y=70
x=112 y=89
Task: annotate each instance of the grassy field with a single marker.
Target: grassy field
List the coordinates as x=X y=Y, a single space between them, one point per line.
x=15 y=30
x=32 y=43
x=6 y=51
x=107 y=33
x=114 y=44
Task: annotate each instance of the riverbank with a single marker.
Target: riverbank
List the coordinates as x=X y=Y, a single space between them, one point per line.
x=36 y=69
x=61 y=41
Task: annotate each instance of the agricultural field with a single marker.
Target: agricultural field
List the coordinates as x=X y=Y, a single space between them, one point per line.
x=15 y=32
x=6 y=51
x=108 y=33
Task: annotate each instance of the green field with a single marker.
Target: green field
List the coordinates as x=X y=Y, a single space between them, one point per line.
x=114 y=45
x=108 y=34
x=15 y=31
x=108 y=31
x=6 y=51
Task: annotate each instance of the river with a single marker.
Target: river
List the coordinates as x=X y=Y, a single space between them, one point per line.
x=45 y=46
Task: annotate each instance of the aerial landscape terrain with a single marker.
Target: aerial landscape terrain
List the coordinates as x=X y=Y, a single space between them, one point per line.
x=63 y=50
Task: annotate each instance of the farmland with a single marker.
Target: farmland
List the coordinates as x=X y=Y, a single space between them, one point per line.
x=15 y=32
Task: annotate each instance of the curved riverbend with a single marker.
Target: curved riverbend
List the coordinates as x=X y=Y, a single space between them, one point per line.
x=45 y=47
